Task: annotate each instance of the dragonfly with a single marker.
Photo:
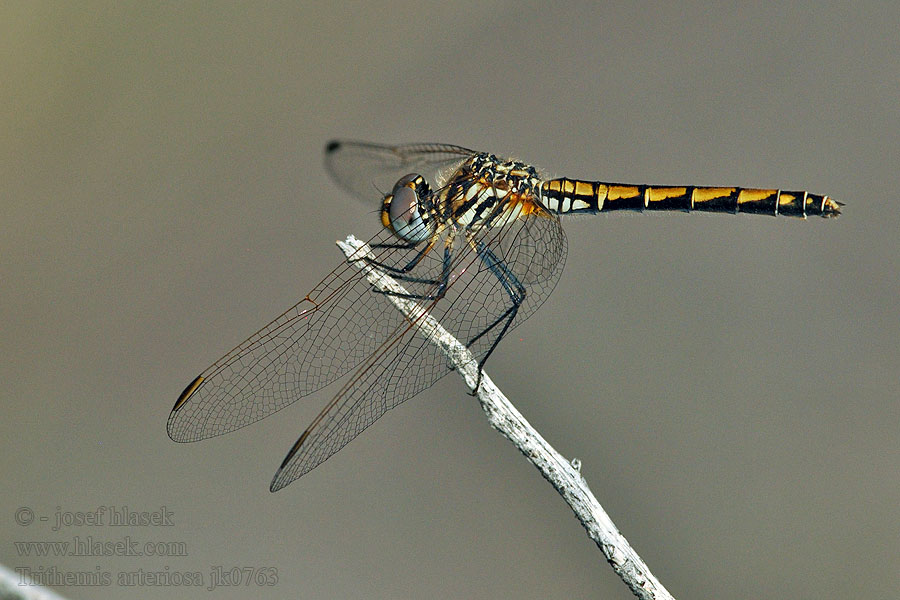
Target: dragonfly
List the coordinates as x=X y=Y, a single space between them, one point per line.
x=476 y=242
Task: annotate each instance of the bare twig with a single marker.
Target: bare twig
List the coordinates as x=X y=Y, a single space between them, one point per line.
x=503 y=416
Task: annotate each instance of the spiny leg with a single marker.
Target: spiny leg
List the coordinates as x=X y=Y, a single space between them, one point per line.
x=402 y=246
x=441 y=282
x=516 y=292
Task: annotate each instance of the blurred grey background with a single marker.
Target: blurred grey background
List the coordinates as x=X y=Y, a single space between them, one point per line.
x=729 y=383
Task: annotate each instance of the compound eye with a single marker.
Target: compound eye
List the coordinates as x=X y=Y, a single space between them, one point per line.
x=404 y=213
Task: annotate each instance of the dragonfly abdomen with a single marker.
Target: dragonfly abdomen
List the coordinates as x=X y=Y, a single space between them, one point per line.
x=566 y=196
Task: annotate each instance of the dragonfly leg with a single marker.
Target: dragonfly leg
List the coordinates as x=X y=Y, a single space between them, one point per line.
x=401 y=246
x=440 y=283
x=516 y=292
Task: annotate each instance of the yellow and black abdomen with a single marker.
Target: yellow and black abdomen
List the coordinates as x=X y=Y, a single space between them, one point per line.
x=565 y=196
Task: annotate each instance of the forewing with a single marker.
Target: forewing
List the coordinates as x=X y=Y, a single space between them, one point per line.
x=334 y=328
x=368 y=171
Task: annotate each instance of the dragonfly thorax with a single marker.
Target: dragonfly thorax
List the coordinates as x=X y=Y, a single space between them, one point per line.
x=510 y=175
x=485 y=187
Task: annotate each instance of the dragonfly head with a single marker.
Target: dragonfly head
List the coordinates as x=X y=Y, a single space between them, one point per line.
x=404 y=212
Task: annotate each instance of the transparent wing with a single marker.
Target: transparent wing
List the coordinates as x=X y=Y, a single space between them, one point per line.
x=370 y=170
x=475 y=309
x=334 y=328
